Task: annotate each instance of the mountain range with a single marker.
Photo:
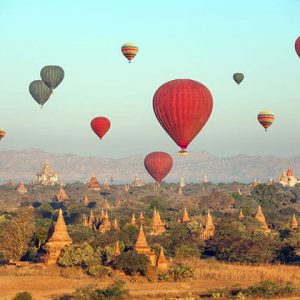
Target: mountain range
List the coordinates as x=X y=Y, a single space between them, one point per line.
x=23 y=165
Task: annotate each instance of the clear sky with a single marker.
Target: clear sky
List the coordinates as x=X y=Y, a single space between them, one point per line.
x=203 y=40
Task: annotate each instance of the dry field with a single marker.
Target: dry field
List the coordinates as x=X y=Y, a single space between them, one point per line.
x=53 y=283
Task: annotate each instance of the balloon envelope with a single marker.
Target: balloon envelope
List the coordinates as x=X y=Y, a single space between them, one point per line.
x=238 y=77
x=129 y=50
x=52 y=76
x=158 y=165
x=265 y=118
x=182 y=107
x=39 y=91
x=2 y=133
x=100 y=126
x=297 y=46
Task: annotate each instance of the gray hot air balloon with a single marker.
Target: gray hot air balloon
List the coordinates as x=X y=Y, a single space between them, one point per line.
x=238 y=77
x=39 y=91
x=52 y=76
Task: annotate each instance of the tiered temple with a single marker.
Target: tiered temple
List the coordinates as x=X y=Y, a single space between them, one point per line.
x=209 y=228
x=47 y=175
x=260 y=217
x=94 y=184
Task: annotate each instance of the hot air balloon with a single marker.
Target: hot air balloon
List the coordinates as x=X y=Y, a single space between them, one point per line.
x=238 y=77
x=2 y=134
x=182 y=107
x=39 y=91
x=158 y=165
x=100 y=126
x=129 y=50
x=266 y=119
x=297 y=46
x=52 y=76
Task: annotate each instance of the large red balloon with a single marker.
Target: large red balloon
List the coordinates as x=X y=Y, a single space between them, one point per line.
x=182 y=107
x=158 y=165
x=297 y=46
x=100 y=126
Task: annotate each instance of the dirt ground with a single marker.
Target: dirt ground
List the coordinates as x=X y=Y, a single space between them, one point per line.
x=53 y=287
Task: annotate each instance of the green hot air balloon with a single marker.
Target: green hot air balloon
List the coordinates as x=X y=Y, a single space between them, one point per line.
x=52 y=76
x=238 y=77
x=39 y=91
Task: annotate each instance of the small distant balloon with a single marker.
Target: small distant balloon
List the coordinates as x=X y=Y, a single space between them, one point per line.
x=52 y=76
x=100 y=126
x=266 y=119
x=297 y=46
x=2 y=134
x=158 y=165
x=39 y=91
x=129 y=50
x=238 y=77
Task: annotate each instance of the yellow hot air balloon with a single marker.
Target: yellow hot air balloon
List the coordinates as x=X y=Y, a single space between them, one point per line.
x=129 y=50
x=266 y=119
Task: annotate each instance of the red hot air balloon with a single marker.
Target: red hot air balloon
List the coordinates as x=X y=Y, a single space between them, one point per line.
x=100 y=126
x=297 y=46
x=158 y=165
x=182 y=107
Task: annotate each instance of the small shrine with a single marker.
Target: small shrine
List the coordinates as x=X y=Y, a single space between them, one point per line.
x=209 y=228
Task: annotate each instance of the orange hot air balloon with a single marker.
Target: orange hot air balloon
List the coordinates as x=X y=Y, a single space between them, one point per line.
x=2 y=134
x=100 y=126
x=129 y=50
x=266 y=119
x=158 y=165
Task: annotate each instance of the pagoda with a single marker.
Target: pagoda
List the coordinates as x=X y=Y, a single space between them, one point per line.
x=58 y=240
x=209 y=228
x=185 y=217
x=22 y=189
x=105 y=224
x=133 y=220
x=85 y=200
x=115 y=225
x=126 y=188
x=142 y=247
x=61 y=195
x=94 y=184
x=102 y=214
x=106 y=185
x=47 y=176
x=137 y=182
x=288 y=179
x=117 y=250
x=294 y=222
x=162 y=263
x=262 y=220
x=91 y=220
x=106 y=205
x=158 y=227
x=181 y=182
x=241 y=215
x=85 y=222
x=141 y=218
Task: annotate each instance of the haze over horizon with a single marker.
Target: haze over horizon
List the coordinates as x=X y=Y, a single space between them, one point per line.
x=176 y=40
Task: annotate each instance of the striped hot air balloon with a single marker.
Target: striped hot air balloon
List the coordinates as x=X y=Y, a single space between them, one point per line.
x=129 y=50
x=266 y=119
x=2 y=133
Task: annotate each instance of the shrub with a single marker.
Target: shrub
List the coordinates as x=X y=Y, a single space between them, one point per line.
x=23 y=296
x=185 y=251
x=177 y=273
x=131 y=263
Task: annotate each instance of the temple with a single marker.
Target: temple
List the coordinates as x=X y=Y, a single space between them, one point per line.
x=115 y=225
x=185 y=217
x=262 y=220
x=241 y=215
x=117 y=250
x=294 y=222
x=22 y=189
x=181 y=182
x=209 y=228
x=47 y=176
x=91 y=220
x=61 y=195
x=105 y=224
x=137 y=182
x=158 y=226
x=141 y=218
x=85 y=200
x=106 y=185
x=133 y=220
x=162 y=263
x=142 y=247
x=288 y=179
x=106 y=205
x=94 y=184
x=58 y=240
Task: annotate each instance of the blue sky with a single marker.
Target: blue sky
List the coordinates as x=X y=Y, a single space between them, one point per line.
x=203 y=40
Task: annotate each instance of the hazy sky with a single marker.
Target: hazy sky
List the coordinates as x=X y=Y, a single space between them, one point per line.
x=203 y=40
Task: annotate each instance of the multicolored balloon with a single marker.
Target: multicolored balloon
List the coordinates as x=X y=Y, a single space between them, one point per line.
x=266 y=119
x=129 y=50
x=2 y=133
x=297 y=46
x=182 y=107
x=100 y=126
x=238 y=77
x=52 y=76
x=39 y=91
x=158 y=165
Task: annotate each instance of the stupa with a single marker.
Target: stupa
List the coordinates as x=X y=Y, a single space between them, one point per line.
x=115 y=225
x=261 y=218
x=58 y=240
x=91 y=220
x=85 y=200
x=61 y=195
x=185 y=217
x=106 y=185
x=94 y=184
x=118 y=203
x=85 y=222
x=294 y=222
x=162 y=263
x=142 y=247
x=47 y=176
x=142 y=218
x=22 y=189
x=209 y=228
x=106 y=205
x=117 y=250
x=105 y=224
x=133 y=220
x=241 y=215
x=137 y=182
x=158 y=227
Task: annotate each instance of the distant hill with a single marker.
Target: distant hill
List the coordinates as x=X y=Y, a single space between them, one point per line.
x=23 y=165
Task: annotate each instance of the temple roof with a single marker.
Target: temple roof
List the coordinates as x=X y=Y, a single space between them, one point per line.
x=46 y=170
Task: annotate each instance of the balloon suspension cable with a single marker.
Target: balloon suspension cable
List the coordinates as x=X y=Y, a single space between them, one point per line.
x=266 y=129
x=129 y=61
x=183 y=152
x=42 y=106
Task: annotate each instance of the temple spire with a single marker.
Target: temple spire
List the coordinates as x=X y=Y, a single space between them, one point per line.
x=133 y=220
x=294 y=222
x=117 y=250
x=185 y=217
x=241 y=215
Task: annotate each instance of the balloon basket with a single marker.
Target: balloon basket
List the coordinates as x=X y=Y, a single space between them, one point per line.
x=183 y=153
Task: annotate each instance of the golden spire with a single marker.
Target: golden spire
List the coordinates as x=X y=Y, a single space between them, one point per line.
x=133 y=220
x=161 y=256
x=141 y=242
x=116 y=225
x=61 y=195
x=117 y=249
x=294 y=222
x=142 y=218
x=91 y=219
x=260 y=217
x=241 y=215
x=22 y=189
x=185 y=217
x=84 y=220
x=102 y=213
x=60 y=233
